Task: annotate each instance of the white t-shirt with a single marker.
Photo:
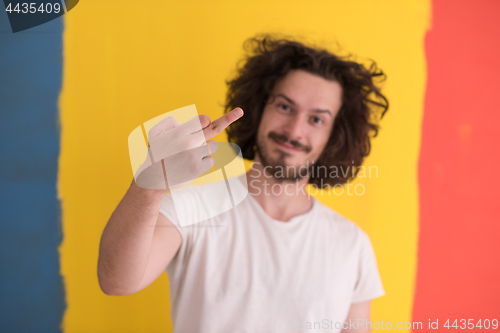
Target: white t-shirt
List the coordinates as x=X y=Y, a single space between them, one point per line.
x=243 y=271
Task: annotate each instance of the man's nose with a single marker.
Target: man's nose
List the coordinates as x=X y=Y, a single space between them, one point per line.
x=294 y=128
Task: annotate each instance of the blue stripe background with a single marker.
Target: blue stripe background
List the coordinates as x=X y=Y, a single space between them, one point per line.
x=32 y=295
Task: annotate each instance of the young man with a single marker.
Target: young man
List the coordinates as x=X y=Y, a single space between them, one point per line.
x=279 y=260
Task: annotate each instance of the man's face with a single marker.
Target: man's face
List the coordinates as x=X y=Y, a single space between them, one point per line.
x=296 y=125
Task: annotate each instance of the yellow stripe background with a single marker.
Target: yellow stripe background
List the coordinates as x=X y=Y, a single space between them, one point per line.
x=126 y=62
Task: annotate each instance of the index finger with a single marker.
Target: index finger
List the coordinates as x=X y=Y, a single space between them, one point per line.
x=218 y=125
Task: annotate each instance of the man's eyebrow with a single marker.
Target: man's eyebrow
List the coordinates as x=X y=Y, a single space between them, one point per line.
x=286 y=97
x=293 y=103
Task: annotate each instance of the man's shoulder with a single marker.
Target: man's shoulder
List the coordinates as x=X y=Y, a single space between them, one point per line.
x=337 y=221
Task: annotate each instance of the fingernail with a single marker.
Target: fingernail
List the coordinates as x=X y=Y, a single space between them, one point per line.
x=239 y=112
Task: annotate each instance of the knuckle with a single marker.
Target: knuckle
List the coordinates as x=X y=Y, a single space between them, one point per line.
x=167 y=123
x=214 y=126
x=161 y=126
x=204 y=119
x=170 y=120
x=153 y=132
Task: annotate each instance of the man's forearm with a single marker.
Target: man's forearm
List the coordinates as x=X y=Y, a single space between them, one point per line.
x=126 y=241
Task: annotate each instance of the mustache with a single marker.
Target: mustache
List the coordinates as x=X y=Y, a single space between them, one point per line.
x=283 y=138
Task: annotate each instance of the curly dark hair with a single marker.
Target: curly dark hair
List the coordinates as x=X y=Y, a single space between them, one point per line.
x=363 y=104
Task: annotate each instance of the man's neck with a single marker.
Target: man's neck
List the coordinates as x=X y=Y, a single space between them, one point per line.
x=281 y=200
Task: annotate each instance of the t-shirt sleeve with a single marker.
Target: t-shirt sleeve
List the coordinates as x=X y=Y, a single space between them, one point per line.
x=189 y=204
x=369 y=284
x=169 y=210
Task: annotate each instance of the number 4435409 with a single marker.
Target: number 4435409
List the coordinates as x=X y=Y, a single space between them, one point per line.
x=32 y=8
x=464 y=324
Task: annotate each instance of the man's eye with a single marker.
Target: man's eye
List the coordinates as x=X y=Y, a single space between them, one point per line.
x=317 y=120
x=284 y=107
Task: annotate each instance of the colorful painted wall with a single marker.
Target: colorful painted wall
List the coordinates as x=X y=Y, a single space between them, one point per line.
x=459 y=249
x=72 y=90
x=32 y=292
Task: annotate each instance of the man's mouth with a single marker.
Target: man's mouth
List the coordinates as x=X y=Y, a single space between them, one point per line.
x=286 y=146
x=285 y=143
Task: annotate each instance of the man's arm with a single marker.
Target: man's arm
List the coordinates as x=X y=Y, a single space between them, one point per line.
x=138 y=243
x=133 y=252
x=359 y=311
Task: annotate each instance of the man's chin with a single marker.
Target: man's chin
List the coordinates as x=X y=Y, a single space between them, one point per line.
x=286 y=172
x=279 y=165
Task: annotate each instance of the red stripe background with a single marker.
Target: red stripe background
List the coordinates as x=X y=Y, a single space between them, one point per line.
x=458 y=274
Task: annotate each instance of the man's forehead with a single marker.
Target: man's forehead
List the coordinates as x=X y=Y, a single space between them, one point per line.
x=310 y=91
